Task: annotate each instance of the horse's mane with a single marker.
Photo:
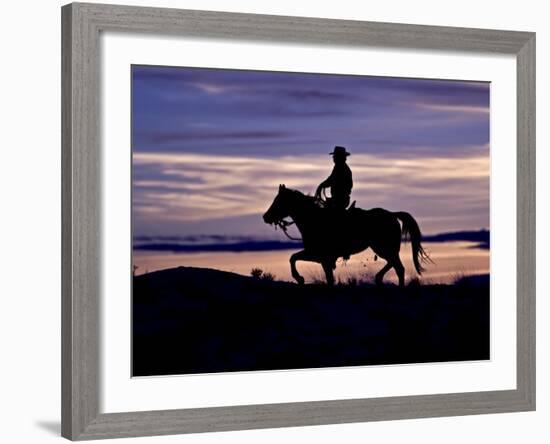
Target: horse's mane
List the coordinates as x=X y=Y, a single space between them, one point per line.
x=307 y=199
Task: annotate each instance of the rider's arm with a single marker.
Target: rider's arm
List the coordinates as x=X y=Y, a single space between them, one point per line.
x=324 y=184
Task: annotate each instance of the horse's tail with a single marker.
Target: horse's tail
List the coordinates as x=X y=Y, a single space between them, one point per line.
x=411 y=230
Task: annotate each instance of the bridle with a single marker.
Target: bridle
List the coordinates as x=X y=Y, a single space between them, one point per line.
x=283 y=225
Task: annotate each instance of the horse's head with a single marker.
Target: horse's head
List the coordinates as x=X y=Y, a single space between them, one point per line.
x=279 y=208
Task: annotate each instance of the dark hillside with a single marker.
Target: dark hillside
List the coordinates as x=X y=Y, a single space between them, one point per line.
x=193 y=320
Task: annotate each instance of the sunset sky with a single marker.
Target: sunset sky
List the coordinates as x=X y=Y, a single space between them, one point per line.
x=210 y=147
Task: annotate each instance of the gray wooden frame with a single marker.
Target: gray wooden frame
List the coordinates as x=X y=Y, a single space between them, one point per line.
x=81 y=166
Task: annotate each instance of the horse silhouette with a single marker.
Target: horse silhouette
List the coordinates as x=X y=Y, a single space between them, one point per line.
x=330 y=234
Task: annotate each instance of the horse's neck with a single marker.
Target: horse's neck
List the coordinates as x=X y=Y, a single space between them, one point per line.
x=303 y=215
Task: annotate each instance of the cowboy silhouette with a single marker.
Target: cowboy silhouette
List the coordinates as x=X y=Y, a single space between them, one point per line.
x=340 y=181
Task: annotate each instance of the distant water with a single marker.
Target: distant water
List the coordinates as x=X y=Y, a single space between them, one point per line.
x=452 y=260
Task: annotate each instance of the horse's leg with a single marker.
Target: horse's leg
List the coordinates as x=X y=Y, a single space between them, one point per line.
x=387 y=245
x=399 y=269
x=299 y=256
x=328 y=267
x=380 y=275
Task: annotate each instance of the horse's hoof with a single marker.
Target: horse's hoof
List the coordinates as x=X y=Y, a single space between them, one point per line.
x=300 y=280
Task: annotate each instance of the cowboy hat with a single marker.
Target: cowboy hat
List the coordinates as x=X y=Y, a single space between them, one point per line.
x=339 y=151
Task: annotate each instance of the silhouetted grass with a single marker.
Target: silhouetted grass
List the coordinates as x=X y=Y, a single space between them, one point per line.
x=193 y=320
x=258 y=273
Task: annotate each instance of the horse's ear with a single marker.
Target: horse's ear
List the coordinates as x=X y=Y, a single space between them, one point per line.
x=281 y=187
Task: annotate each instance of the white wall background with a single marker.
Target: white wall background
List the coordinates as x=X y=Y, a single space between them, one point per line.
x=30 y=221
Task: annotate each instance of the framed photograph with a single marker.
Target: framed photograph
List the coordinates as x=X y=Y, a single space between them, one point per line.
x=278 y=221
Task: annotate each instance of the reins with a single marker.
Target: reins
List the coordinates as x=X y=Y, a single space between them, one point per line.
x=283 y=225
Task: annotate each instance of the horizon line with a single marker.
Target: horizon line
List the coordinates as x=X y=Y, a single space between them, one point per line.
x=236 y=243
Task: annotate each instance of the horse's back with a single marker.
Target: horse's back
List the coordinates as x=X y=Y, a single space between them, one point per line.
x=375 y=218
x=376 y=210
x=373 y=212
